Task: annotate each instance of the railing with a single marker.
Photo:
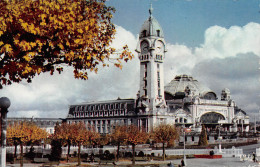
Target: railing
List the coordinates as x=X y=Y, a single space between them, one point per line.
x=257 y=152
x=233 y=152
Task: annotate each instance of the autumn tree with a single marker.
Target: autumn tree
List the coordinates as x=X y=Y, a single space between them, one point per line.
x=64 y=133
x=75 y=133
x=135 y=136
x=203 y=139
x=39 y=36
x=23 y=133
x=103 y=139
x=118 y=136
x=165 y=134
x=82 y=136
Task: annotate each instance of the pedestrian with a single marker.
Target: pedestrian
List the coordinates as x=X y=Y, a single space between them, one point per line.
x=254 y=157
x=170 y=164
x=182 y=163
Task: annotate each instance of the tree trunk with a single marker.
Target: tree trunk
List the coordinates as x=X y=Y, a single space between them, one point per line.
x=163 y=151
x=79 y=161
x=15 y=150
x=133 y=147
x=21 y=155
x=118 y=147
x=68 y=153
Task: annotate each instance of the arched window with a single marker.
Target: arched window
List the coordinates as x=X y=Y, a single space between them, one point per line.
x=144 y=33
x=158 y=33
x=185 y=120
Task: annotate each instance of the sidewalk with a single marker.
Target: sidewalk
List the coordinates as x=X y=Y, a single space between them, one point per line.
x=194 y=162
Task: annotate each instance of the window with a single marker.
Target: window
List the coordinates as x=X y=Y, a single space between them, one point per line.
x=144 y=33
x=158 y=33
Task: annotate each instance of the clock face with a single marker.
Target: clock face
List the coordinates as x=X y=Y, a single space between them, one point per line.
x=144 y=47
x=159 y=47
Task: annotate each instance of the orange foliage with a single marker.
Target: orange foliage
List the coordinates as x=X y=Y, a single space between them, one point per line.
x=75 y=133
x=119 y=134
x=43 y=35
x=165 y=133
x=25 y=132
x=134 y=136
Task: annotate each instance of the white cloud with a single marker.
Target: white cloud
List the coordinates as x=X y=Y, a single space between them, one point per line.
x=221 y=42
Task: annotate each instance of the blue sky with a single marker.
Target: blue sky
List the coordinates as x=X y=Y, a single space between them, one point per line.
x=215 y=41
x=185 y=21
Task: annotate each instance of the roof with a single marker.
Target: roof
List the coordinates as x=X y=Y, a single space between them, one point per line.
x=151 y=27
x=105 y=102
x=181 y=82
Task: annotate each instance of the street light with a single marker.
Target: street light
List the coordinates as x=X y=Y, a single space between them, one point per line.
x=4 y=105
x=42 y=146
x=219 y=138
x=184 y=155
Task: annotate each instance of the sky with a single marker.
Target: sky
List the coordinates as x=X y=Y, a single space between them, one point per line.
x=215 y=41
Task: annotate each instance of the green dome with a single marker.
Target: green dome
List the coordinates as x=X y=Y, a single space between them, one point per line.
x=151 y=27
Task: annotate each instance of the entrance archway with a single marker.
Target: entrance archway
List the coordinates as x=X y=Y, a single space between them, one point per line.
x=211 y=118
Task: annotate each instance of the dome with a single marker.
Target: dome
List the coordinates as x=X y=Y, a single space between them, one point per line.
x=151 y=27
x=182 y=84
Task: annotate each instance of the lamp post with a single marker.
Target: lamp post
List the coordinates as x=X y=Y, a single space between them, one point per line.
x=242 y=120
x=4 y=105
x=184 y=156
x=42 y=147
x=219 y=138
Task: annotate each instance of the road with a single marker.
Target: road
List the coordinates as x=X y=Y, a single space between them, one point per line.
x=250 y=148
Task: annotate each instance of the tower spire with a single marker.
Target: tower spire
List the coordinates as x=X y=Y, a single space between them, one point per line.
x=151 y=9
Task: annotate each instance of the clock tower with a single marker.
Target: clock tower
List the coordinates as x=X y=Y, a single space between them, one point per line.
x=151 y=52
